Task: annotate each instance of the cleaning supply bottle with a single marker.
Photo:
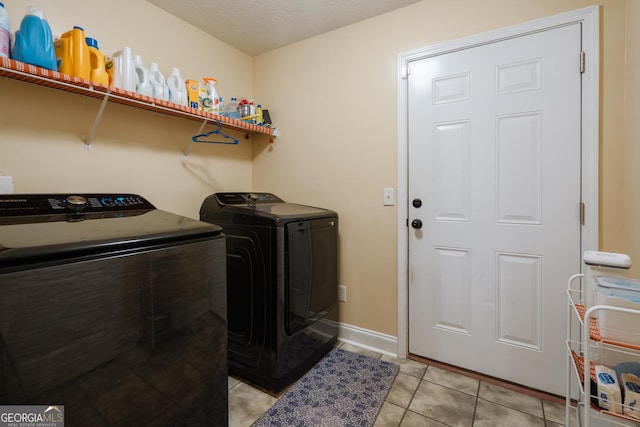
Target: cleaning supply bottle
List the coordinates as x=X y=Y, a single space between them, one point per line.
x=5 y=35
x=72 y=53
x=252 y=110
x=177 y=88
x=143 y=85
x=231 y=110
x=215 y=97
x=156 y=78
x=259 y=119
x=244 y=108
x=98 y=72
x=34 y=41
x=124 y=70
x=210 y=101
x=205 y=103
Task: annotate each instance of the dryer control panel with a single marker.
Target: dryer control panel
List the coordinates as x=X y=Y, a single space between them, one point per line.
x=224 y=199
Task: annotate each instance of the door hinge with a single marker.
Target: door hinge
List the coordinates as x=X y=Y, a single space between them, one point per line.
x=581 y=213
x=405 y=73
x=582 y=61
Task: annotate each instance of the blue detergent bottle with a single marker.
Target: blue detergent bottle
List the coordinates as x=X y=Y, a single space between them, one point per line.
x=34 y=41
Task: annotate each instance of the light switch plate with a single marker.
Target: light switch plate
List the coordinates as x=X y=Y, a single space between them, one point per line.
x=342 y=293
x=389 y=197
x=6 y=185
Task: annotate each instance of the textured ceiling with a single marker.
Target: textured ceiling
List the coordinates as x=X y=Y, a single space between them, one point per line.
x=258 y=26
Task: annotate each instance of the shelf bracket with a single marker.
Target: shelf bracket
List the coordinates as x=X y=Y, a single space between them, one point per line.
x=96 y=121
x=188 y=150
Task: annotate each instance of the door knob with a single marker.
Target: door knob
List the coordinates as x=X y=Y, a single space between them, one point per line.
x=417 y=224
x=416 y=203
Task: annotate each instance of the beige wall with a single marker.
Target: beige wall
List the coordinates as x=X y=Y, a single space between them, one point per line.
x=334 y=99
x=631 y=94
x=42 y=131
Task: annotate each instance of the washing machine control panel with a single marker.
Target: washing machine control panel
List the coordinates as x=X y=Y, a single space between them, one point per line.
x=54 y=204
x=224 y=199
x=100 y=202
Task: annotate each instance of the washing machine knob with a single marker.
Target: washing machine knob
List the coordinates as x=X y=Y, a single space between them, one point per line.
x=76 y=202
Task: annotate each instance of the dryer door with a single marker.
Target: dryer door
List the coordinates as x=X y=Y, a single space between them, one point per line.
x=311 y=273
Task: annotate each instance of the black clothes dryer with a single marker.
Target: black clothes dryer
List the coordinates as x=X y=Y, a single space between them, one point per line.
x=281 y=284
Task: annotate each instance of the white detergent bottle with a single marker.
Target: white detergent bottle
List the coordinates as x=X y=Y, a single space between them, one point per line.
x=177 y=88
x=124 y=70
x=143 y=85
x=156 y=79
x=5 y=35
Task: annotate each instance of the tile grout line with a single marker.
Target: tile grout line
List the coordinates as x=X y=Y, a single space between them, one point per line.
x=421 y=378
x=404 y=414
x=475 y=406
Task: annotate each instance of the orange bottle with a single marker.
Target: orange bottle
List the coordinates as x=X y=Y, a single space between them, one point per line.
x=98 y=73
x=72 y=53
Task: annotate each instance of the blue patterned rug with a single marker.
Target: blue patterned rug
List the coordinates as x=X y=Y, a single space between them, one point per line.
x=343 y=389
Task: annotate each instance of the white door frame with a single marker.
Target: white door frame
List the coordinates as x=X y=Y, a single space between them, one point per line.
x=589 y=18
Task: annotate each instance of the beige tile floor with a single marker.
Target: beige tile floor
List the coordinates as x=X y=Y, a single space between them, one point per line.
x=425 y=395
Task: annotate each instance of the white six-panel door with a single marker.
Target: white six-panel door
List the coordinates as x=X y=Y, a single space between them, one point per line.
x=494 y=153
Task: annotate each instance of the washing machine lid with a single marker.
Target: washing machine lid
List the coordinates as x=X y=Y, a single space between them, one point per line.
x=281 y=211
x=35 y=227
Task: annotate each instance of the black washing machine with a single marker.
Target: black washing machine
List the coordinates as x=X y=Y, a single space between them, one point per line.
x=281 y=284
x=113 y=310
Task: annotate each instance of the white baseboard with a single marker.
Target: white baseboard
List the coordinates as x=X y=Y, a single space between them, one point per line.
x=371 y=340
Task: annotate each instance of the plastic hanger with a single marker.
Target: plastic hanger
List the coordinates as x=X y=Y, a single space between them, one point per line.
x=200 y=138
x=216 y=131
